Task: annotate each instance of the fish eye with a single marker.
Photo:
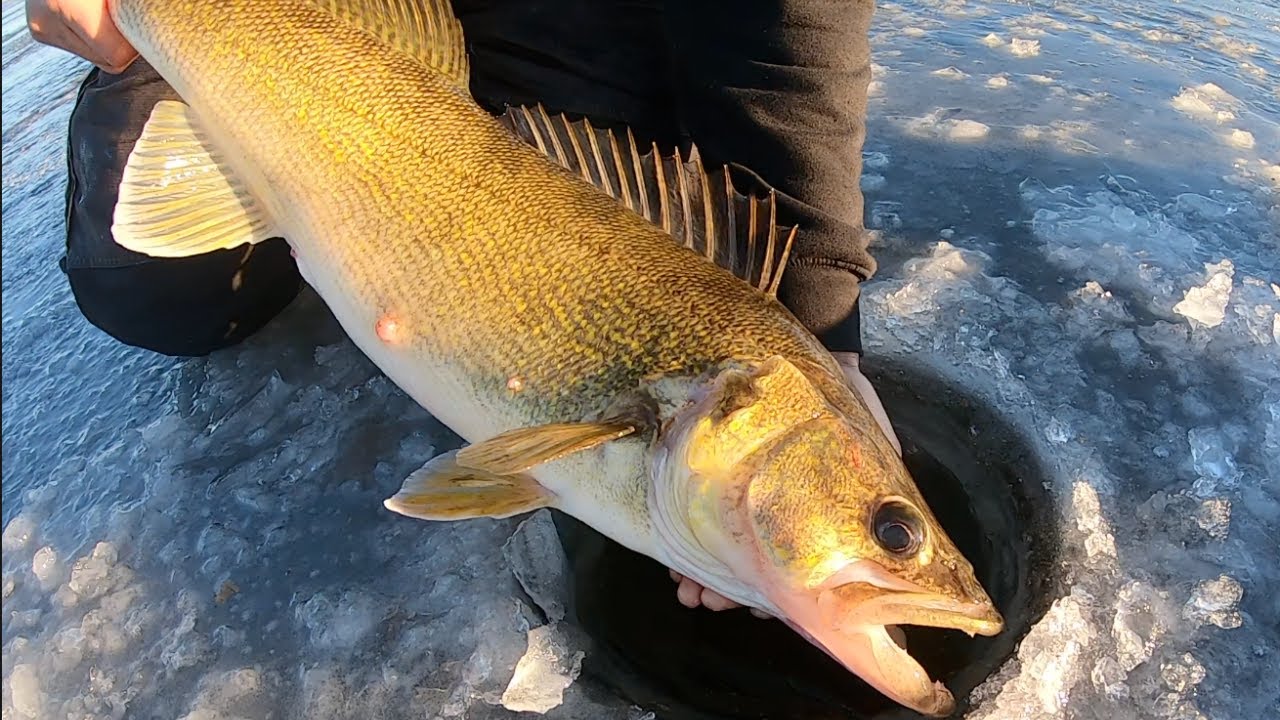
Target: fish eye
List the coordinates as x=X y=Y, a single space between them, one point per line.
x=897 y=527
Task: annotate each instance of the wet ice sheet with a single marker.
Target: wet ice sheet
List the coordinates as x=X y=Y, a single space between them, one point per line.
x=1082 y=234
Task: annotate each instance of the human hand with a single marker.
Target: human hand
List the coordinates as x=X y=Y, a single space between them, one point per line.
x=82 y=27
x=853 y=375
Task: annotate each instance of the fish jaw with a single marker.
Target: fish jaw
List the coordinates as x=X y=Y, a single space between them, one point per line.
x=855 y=619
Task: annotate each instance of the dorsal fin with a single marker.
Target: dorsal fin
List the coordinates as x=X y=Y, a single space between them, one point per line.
x=426 y=29
x=700 y=209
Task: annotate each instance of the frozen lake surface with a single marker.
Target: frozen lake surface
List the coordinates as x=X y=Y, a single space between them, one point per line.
x=1077 y=207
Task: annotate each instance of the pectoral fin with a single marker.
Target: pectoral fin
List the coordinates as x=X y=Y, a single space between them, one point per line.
x=518 y=450
x=177 y=196
x=444 y=490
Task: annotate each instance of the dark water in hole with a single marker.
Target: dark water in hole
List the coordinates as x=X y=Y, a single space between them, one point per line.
x=980 y=480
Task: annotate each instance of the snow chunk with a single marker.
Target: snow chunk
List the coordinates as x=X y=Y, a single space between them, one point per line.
x=998 y=81
x=1021 y=47
x=1207 y=304
x=992 y=40
x=870 y=182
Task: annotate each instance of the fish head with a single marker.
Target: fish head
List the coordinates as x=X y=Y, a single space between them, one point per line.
x=817 y=516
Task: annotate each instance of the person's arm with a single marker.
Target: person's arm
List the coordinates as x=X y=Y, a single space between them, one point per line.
x=82 y=27
x=780 y=87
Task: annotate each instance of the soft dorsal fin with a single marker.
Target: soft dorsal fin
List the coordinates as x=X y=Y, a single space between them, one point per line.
x=426 y=29
x=700 y=209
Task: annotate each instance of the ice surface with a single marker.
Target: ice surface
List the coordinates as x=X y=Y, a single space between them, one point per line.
x=1092 y=250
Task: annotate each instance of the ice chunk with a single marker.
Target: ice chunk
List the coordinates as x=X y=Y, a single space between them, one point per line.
x=18 y=533
x=97 y=574
x=1214 y=602
x=1240 y=138
x=992 y=40
x=967 y=130
x=884 y=215
x=871 y=182
x=951 y=73
x=1051 y=655
x=1182 y=674
x=875 y=160
x=25 y=693
x=1022 y=47
x=937 y=124
x=1041 y=79
x=542 y=674
x=998 y=81
x=340 y=624
x=914 y=32
x=47 y=568
x=1207 y=304
x=538 y=561
x=1098 y=539
x=1164 y=36
x=1207 y=101
x=1214 y=517
x=1212 y=461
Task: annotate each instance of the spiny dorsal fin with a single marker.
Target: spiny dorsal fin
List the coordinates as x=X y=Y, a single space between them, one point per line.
x=700 y=209
x=426 y=29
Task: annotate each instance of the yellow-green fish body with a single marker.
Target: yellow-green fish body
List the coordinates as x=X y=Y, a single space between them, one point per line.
x=647 y=388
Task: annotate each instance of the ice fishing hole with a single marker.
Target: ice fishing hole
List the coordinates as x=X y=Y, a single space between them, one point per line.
x=981 y=479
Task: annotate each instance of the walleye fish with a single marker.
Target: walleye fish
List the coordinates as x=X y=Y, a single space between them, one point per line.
x=532 y=284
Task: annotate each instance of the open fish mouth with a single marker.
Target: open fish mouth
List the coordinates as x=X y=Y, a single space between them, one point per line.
x=857 y=624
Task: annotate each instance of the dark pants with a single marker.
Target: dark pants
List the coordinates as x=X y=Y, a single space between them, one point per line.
x=776 y=86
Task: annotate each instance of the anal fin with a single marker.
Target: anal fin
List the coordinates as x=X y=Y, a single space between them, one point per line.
x=700 y=209
x=444 y=490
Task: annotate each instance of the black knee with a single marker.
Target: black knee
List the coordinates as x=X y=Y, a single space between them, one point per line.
x=189 y=306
